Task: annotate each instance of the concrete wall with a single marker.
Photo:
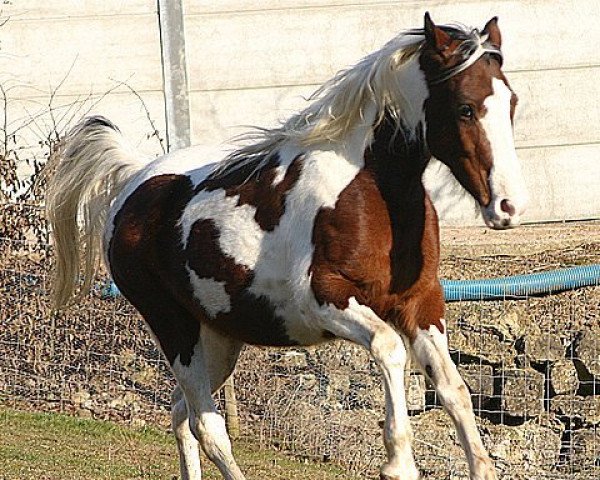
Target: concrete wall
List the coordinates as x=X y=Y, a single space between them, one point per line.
x=81 y=51
x=251 y=63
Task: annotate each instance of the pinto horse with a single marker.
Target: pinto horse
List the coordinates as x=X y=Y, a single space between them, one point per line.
x=317 y=230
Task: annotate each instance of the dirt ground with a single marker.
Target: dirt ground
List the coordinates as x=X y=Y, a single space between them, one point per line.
x=476 y=252
x=528 y=238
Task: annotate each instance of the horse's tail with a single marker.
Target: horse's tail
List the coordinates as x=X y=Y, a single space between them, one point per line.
x=87 y=173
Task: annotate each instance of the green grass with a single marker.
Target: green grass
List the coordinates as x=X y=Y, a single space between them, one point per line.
x=59 y=447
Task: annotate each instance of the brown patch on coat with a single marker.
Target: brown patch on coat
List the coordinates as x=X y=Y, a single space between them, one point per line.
x=380 y=243
x=255 y=188
x=145 y=230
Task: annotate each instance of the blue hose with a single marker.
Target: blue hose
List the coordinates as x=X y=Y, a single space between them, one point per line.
x=518 y=286
x=110 y=290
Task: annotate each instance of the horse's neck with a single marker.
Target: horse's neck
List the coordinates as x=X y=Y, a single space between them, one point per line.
x=397 y=158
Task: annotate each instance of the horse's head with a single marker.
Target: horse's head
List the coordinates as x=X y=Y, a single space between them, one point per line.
x=469 y=115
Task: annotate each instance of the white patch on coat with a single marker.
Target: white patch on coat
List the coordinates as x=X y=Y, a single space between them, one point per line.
x=211 y=294
x=416 y=91
x=506 y=178
x=240 y=237
x=280 y=172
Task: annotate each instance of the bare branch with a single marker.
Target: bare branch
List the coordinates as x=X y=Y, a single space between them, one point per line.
x=155 y=132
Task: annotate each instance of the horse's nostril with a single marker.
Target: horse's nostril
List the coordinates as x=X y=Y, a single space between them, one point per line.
x=508 y=207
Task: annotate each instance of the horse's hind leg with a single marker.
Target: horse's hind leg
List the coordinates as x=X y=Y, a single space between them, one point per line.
x=201 y=360
x=221 y=355
x=430 y=350
x=189 y=458
x=212 y=362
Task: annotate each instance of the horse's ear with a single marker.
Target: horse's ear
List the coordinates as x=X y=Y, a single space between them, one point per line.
x=435 y=36
x=491 y=29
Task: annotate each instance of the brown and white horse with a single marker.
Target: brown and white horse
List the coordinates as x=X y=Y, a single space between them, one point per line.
x=320 y=229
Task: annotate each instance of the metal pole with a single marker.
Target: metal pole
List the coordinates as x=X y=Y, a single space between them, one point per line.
x=175 y=81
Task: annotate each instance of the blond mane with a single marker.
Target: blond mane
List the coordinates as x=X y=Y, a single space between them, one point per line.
x=338 y=105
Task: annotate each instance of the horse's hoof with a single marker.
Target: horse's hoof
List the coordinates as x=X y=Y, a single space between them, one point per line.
x=387 y=473
x=491 y=475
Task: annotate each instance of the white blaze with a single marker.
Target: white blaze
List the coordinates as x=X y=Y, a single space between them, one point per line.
x=506 y=178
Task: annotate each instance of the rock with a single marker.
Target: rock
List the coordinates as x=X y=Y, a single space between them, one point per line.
x=563 y=377
x=435 y=443
x=584 y=451
x=522 y=392
x=542 y=345
x=80 y=397
x=588 y=350
x=522 y=452
x=483 y=344
x=587 y=409
x=365 y=391
x=117 y=404
x=290 y=359
x=85 y=413
x=415 y=392
x=482 y=333
x=338 y=389
x=137 y=422
x=531 y=448
x=480 y=380
x=509 y=324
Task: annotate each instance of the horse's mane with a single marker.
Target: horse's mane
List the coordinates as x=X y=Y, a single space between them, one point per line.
x=338 y=105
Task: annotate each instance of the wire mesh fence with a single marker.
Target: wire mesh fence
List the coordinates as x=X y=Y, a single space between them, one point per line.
x=532 y=366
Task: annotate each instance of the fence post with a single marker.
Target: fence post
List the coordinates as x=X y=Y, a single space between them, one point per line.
x=175 y=81
x=231 y=412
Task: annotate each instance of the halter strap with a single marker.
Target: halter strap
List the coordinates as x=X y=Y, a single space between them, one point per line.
x=482 y=48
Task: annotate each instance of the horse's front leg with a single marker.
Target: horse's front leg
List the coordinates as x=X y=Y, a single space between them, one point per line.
x=361 y=325
x=430 y=350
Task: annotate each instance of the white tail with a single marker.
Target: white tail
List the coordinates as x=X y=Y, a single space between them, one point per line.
x=91 y=168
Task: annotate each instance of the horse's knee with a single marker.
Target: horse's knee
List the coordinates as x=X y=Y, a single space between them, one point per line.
x=388 y=349
x=455 y=397
x=211 y=432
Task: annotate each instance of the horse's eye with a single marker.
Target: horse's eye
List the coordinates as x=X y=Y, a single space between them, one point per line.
x=466 y=112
